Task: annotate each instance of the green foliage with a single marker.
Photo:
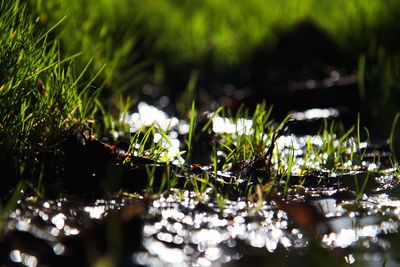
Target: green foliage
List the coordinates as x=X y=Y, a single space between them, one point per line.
x=393 y=138
x=39 y=95
x=229 y=31
x=128 y=37
x=333 y=148
x=189 y=142
x=221 y=32
x=382 y=87
x=104 y=31
x=251 y=137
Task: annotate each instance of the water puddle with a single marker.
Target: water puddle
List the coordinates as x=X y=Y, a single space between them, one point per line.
x=337 y=206
x=183 y=228
x=201 y=233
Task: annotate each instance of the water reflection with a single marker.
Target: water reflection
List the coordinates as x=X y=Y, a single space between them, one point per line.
x=23 y=258
x=353 y=208
x=209 y=234
x=49 y=224
x=228 y=126
x=183 y=229
x=173 y=128
x=315 y=113
x=148 y=115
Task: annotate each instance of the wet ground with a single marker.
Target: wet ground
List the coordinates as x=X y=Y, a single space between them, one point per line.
x=185 y=229
x=348 y=214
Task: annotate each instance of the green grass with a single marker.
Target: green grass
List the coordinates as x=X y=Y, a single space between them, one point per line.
x=40 y=95
x=247 y=140
x=107 y=34
x=141 y=41
x=195 y=30
x=52 y=75
x=381 y=76
x=43 y=92
x=199 y=32
x=255 y=157
x=229 y=31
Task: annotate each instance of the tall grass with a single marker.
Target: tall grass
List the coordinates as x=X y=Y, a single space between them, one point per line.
x=194 y=30
x=104 y=31
x=40 y=96
x=382 y=87
x=129 y=37
x=203 y=32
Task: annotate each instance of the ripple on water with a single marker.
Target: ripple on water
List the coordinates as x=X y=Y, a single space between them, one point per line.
x=211 y=237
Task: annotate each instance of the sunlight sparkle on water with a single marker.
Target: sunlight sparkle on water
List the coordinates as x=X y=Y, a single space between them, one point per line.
x=148 y=115
x=211 y=237
x=23 y=258
x=96 y=212
x=59 y=220
x=225 y=125
x=350 y=259
x=315 y=113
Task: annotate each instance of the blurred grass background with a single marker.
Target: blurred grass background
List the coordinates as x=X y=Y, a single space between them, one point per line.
x=161 y=41
x=190 y=31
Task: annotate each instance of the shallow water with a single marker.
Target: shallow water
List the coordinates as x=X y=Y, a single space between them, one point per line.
x=332 y=215
x=183 y=228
